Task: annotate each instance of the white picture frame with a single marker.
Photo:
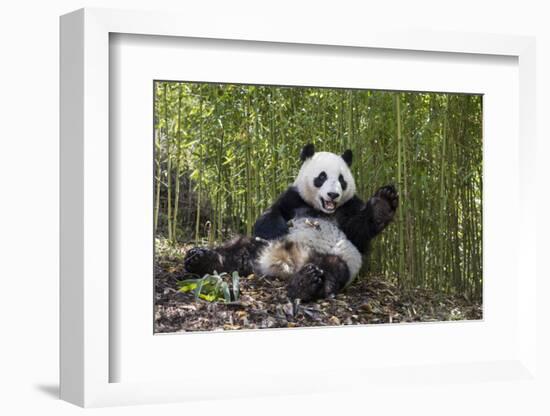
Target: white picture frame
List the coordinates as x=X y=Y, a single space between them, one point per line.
x=86 y=356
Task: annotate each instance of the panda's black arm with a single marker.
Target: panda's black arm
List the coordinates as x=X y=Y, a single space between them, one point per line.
x=361 y=221
x=353 y=219
x=272 y=223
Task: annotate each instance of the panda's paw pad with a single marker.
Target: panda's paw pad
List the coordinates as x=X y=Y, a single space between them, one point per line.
x=200 y=260
x=307 y=284
x=389 y=194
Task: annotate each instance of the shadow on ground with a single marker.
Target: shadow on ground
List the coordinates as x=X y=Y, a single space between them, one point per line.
x=51 y=390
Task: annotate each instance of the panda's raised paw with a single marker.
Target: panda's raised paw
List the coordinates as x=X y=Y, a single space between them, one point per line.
x=307 y=284
x=389 y=194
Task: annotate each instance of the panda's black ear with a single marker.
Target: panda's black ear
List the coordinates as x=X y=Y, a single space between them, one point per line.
x=348 y=156
x=307 y=152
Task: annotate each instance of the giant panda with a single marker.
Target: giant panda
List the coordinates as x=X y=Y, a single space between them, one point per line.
x=315 y=234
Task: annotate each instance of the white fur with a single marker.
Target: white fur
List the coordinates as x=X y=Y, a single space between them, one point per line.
x=334 y=166
x=309 y=234
x=277 y=260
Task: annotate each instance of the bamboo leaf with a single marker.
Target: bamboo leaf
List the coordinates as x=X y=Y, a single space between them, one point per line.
x=225 y=290
x=236 y=285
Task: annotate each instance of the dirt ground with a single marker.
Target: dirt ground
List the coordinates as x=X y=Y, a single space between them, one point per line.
x=370 y=299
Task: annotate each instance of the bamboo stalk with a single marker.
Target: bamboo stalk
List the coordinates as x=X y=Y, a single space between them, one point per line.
x=158 y=158
x=169 y=165
x=201 y=164
x=397 y=99
x=178 y=167
x=249 y=207
x=442 y=196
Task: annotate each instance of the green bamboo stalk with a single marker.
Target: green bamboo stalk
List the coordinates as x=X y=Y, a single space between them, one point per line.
x=219 y=218
x=248 y=161
x=201 y=166
x=169 y=164
x=256 y=149
x=350 y=140
x=406 y=208
x=442 y=197
x=158 y=156
x=178 y=167
x=273 y=152
x=397 y=99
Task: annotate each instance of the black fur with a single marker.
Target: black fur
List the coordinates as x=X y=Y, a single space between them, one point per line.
x=320 y=180
x=348 y=156
x=361 y=221
x=202 y=260
x=343 y=182
x=324 y=276
x=307 y=152
x=307 y=284
x=273 y=223
x=238 y=254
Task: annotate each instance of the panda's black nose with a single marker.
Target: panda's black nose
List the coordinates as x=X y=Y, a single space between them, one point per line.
x=333 y=195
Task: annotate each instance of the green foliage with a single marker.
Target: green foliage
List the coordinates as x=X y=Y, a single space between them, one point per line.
x=166 y=249
x=212 y=287
x=224 y=153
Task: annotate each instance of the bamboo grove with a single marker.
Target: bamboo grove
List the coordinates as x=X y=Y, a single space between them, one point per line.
x=223 y=153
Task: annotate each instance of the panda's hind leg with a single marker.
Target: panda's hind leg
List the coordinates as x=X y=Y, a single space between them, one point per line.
x=237 y=255
x=202 y=260
x=307 y=283
x=337 y=274
x=324 y=276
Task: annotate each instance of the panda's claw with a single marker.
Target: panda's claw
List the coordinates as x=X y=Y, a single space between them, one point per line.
x=201 y=260
x=307 y=284
x=389 y=194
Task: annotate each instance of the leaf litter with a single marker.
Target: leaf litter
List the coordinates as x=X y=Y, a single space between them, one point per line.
x=262 y=303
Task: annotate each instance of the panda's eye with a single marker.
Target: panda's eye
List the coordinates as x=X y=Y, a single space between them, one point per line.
x=343 y=183
x=320 y=179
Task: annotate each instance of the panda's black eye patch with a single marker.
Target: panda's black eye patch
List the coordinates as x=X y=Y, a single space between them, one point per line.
x=343 y=183
x=320 y=180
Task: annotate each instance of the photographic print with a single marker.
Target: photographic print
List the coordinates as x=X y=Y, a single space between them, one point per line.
x=289 y=207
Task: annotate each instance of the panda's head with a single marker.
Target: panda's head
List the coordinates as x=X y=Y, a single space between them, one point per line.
x=325 y=181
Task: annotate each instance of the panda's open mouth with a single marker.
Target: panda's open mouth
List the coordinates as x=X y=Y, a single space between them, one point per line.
x=328 y=205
